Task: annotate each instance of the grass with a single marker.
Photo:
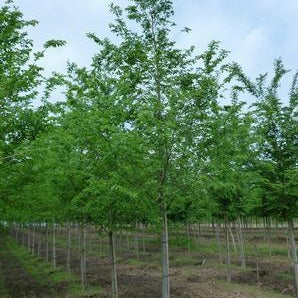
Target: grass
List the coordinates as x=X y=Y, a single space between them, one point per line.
x=44 y=273
x=255 y=292
x=76 y=291
x=3 y=292
x=288 y=276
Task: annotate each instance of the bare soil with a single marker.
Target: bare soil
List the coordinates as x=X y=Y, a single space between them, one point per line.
x=193 y=274
x=17 y=281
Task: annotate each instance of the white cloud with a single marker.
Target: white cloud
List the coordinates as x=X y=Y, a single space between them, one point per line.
x=256 y=32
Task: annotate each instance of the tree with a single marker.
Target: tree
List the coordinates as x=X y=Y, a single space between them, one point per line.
x=149 y=75
x=20 y=78
x=276 y=129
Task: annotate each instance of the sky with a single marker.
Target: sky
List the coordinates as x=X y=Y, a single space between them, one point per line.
x=254 y=31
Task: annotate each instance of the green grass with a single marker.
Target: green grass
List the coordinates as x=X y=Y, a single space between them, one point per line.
x=75 y=291
x=255 y=292
x=134 y=262
x=265 y=250
x=288 y=276
x=44 y=273
x=3 y=292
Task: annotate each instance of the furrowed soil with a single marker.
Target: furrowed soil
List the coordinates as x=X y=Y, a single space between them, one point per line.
x=17 y=282
x=194 y=272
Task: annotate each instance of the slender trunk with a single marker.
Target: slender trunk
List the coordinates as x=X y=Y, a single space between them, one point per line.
x=136 y=240
x=29 y=238
x=228 y=257
x=101 y=250
x=293 y=252
x=241 y=246
x=84 y=255
x=218 y=240
x=17 y=232
x=113 y=263
x=165 y=256
x=82 y=244
x=232 y=238
x=200 y=231
x=213 y=228
x=23 y=235
x=188 y=236
x=33 y=241
x=68 y=247
x=144 y=247
x=127 y=241
x=269 y=235
x=289 y=247
x=38 y=241
x=264 y=226
x=47 y=242
x=54 y=246
x=257 y=264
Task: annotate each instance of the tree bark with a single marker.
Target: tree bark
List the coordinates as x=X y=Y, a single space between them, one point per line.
x=82 y=244
x=29 y=238
x=165 y=256
x=54 y=246
x=47 y=242
x=293 y=252
x=241 y=245
x=113 y=263
x=232 y=238
x=218 y=240
x=68 y=247
x=257 y=264
x=33 y=241
x=228 y=257
x=136 y=242
x=188 y=236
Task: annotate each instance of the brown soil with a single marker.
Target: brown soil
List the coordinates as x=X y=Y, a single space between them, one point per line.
x=17 y=281
x=141 y=279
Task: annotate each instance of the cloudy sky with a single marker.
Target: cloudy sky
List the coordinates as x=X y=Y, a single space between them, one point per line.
x=255 y=31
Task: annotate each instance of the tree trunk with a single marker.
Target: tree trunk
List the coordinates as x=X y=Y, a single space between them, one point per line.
x=54 y=246
x=218 y=240
x=29 y=238
x=200 y=231
x=257 y=264
x=165 y=256
x=47 y=242
x=113 y=263
x=188 y=236
x=228 y=257
x=144 y=247
x=136 y=242
x=23 y=235
x=68 y=247
x=127 y=241
x=38 y=240
x=241 y=246
x=82 y=244
x=84 y=255
x=232 y=238
x=33 y=241
x=293 y=252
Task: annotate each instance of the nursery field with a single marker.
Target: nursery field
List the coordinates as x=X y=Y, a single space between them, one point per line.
x=197 y=263
x=152 y=169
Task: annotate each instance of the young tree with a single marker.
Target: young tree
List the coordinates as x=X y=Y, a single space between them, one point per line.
x=147 y=78
x=276 y=128
x=20 y=78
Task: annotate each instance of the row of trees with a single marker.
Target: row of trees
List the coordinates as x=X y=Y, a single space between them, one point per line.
x=143 y=134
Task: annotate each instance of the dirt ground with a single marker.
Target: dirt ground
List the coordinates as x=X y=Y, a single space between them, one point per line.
x=191 y=277
x=17 y=281
x=188 y=277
